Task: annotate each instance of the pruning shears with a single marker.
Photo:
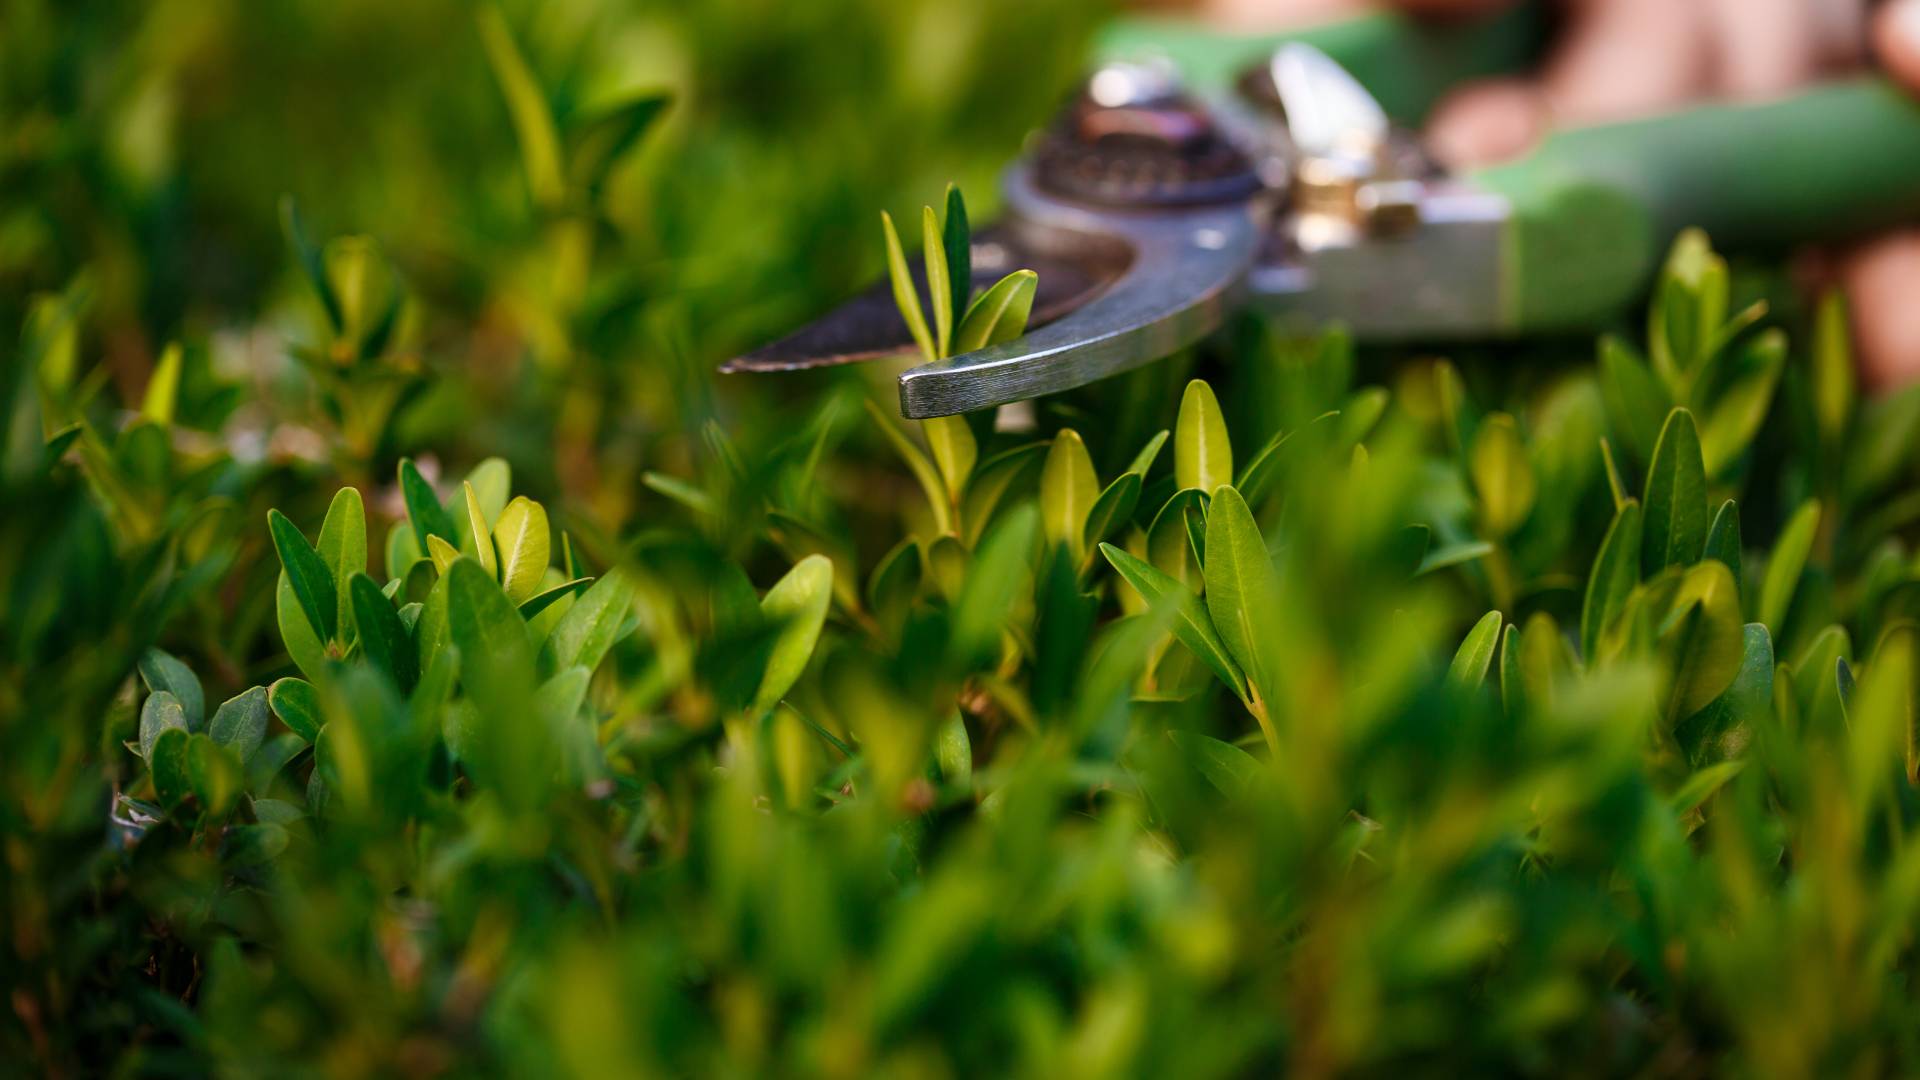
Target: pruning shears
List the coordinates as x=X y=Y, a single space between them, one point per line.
x=1198 y=172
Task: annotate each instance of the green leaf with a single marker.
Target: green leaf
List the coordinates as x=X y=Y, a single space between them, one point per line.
x=1000 y=572
x=1786 y=564
x=480 y=533
x=954 y=451
x=1242 y=590
x=163 y=387
x=922 y=469
x=1832 y=379
x=1502 y=476
x=527 y=106
x=424 y=511
x=1227 y=767
x=1676 y=498
x=596 y=146
x=240 y=724
x=1113 y=509
x=167 y=761
x=1191 y=624
x=163 y=671
x=590 y=627
x=994 y=478
x=999 y=314
x=343 y=547
x=303 y=645
x=524 y=543
x=957 y=240
x=905 y=296
x=383 y=638
x=308 y=576
x=1702 y=785
x=1474 y=658
x=297 y=704
x=1741 y=406
x=1143 y=460
x=953 y=752
x=1202 y=454
x=1068 y=488
x=1616 y=484
x=797 y=604
x=1635 y=401
x=933 y=252
x=309 y=258
x=443 y=553
x=1169 y=543
x=895 y=579
x=1616 y=571
x=1723 y=729
x=492 y=481
x=1701 y=640
x=215 y=774
x=159 y=713
x=545 y=598
x=1723 y=538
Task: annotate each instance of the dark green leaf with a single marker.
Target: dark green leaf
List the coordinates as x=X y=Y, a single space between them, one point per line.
x=162 y=671
x=383 y=638
x=240 y=724
x=308 y=575
x=297 y=705
x=1676 y=498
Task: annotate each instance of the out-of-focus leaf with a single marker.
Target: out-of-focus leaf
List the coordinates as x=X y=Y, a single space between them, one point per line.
x=923 y=470
x=1832 y=378
x=1702 y=640
x=954 y=451
x=527 y=106
x=999 y=573
x=215 y=774
x=1723 y=729
x=797 y=604
x=1786 y=564
x=1616 y=570
x=1723 y=538
x=591 y=626
x=168 y=763
x=1741 y=407
x=1634 y=399
x=1502 y=476
x=1226 y=766
x=163 y=387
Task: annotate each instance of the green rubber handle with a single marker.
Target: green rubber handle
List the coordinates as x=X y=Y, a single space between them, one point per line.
x=1594 y=208
x=1406 y=63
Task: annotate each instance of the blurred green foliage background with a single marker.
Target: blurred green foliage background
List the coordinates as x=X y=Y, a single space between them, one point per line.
x=1546 y=710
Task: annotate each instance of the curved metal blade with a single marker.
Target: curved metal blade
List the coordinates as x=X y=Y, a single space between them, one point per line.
x=1189 y=268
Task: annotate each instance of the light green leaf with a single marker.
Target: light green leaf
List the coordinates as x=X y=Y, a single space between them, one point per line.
x=545 y=598
x=999 y=314
x=953 y=751
x=1832 y=380
x=492 y=481
x=163 y=387
x=905 y=296
x=309 y=577
x=954 y=451
x=240 y=724
x=524 y=543
x=1242 y=591
x=922 y=469
x=297 y=704
x=1000 y=573
x=591 y=626
x=1676 y=498
x=1502 y=476
x=443 y=553
x=1191 y=624
x=343 y=547
x=480 y=533
x=797 y=604
x=1202 y=455
x=1787 y=563
x=933 y=251
x=1143 y=460
x=527 y=106
x=1068 y=488
x=1474 y=658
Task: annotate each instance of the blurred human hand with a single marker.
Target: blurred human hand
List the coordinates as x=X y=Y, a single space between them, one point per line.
x=1620 y=59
